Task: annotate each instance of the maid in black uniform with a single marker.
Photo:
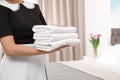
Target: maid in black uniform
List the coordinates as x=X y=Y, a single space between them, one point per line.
x=21 y=61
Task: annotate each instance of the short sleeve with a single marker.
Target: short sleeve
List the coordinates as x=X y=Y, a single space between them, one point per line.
x=41 y=16
x=4 y=22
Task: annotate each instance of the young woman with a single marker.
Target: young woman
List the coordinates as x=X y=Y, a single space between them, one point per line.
x=21 y=61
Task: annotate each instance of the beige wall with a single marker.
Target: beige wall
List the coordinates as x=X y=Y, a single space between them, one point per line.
x=98 y=20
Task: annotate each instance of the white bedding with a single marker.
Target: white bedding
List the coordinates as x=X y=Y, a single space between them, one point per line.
x=110 y=55
x=106 y=72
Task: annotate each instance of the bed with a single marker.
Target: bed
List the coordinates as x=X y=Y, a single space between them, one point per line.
x=59 y=71
x=102 y=68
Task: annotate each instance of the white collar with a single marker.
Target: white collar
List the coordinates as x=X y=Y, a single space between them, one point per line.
x=16 y=7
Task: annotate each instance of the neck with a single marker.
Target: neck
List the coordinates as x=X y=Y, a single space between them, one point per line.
x=15 y=1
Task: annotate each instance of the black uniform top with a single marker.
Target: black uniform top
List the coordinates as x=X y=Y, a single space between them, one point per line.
x=19 y=23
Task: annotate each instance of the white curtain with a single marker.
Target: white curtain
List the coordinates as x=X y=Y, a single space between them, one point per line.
x=65 y=13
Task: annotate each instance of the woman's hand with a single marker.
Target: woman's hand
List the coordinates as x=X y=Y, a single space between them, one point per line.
x=19 y=50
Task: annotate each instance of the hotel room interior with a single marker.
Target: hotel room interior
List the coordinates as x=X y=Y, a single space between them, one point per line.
x=89 y=17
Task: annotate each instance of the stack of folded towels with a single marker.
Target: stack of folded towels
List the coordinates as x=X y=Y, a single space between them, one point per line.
x=48 y=38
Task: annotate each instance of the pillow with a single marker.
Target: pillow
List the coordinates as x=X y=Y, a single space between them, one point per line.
x=110 y=56
x=117 y=45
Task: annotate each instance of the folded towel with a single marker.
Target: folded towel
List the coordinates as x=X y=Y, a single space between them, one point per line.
x=53 y=29
x=54 y=37
x=49 y=46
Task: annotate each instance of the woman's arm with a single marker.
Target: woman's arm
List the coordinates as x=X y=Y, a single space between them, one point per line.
x=13 y=49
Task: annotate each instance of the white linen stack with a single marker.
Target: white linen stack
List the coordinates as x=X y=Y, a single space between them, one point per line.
x=48 y=38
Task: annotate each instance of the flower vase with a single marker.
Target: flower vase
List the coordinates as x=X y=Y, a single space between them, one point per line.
x=95 y=53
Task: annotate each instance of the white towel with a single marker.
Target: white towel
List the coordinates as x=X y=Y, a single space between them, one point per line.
x=54 y=37
x=49 y=46
x=53 y=29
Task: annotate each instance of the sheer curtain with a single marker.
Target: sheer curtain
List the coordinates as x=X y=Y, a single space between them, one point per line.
x=65 y=13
